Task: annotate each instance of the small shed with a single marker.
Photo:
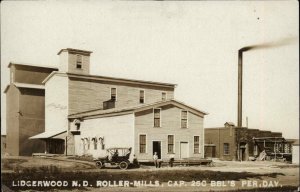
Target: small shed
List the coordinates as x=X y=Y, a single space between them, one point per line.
x=295 y=152
x=229 y=124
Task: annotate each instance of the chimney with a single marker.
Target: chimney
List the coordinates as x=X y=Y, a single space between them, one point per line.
x=74 y=61
x=240 y=88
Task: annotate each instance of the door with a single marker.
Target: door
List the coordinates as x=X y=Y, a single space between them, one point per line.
x=157 y=148
x=184 y=150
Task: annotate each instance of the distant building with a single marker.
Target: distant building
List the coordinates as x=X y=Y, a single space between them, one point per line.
x=86 y=114
x=295 y=151
x=234 y=143
x=25 y=108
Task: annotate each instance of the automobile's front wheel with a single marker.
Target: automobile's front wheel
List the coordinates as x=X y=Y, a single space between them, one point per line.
x=123 y=165
x=99 y=164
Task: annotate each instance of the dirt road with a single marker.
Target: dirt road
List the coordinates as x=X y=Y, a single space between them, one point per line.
x=288 y=174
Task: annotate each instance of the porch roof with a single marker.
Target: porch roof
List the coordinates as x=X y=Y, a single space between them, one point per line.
x=50 y=134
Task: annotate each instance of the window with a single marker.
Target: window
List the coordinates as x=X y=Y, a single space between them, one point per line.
x=79 y=61
x=101 y=140
x=226 y=148
x=142 y=143
x=113 y=94
x=170 y=143
x=95 y=143
x=142 y=96
x=83 y=144
x=196 y=144
x=156 y=117
x=163 y=96
x=184 y=119
x=88 y=144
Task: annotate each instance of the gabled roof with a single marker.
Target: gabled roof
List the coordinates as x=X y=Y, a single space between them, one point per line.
x=24 y=85
x=229 y=123
x=121 y=111
x=112 y=79
x=30 y=65
x=79 y=51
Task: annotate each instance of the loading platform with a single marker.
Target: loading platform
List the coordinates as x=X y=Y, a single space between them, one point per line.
x=179 y=162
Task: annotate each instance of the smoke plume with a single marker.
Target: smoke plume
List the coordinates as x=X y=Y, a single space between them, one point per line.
x=280 y=43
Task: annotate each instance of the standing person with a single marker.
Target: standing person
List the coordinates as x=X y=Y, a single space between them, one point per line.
x=171 y=161
x=155 y=158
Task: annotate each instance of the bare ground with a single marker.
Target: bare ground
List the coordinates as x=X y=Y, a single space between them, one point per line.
x=289 y=174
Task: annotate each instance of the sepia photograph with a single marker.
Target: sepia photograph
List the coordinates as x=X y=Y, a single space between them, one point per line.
x=149 y=95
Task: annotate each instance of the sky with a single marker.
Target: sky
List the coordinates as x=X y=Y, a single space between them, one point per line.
x=193 y=44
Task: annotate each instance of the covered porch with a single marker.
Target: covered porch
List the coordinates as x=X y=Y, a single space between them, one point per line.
x=55 y=142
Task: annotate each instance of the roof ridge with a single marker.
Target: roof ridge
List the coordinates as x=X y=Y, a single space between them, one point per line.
x=130 y=108
x=121 y=78
x=31 y=65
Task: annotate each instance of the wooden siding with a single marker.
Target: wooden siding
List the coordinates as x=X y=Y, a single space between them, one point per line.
x=170 y=125
x=295 y=154
x=12 y=120
x=30 y=74
x=86 y=95
x=32 y=120
x=25 y=118
x=118 y=131
x=72 y=64
x=56 y=103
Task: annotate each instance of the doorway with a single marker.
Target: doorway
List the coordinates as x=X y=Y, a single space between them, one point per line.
x=243 y=151
x=184 y=150
x=157 y=148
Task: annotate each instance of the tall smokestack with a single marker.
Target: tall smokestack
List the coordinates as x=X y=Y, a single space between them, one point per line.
x=279 y=43
x=240 y=88
x=240 y=84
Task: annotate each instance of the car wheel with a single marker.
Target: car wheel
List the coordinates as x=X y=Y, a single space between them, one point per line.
x=123 y=165
x=99 y=164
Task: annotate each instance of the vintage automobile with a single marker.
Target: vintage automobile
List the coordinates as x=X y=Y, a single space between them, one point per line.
x=115 y=157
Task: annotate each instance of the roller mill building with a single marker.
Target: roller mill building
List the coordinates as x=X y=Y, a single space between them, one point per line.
x=86 y=114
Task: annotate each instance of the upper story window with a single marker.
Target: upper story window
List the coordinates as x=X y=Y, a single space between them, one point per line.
x=142 y=96
x=184 y=119
x=79 y=61
x=113 y=94
x=163 y=96
x=156 y=117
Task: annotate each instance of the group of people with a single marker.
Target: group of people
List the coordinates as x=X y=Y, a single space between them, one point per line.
x=157 y=163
